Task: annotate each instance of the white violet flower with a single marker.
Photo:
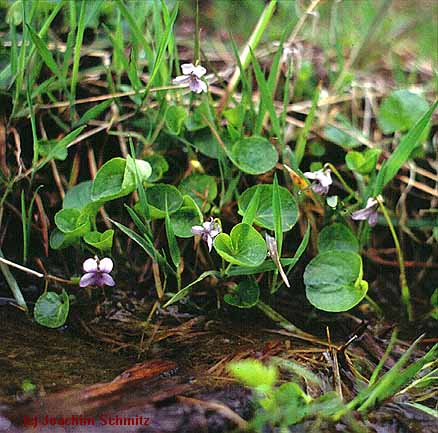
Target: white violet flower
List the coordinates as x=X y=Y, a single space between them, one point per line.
x=209 y=230
x=322 y=180
x=192 y=76
x=97 y=272
x=369 y=212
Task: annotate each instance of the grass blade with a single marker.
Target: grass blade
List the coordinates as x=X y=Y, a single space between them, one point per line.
x=300 y=147
x=266 y=97
x=251 y=210
x=401 y=154
x=187 y=289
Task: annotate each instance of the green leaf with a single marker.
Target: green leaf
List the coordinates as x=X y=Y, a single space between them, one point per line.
x=72 y=222
x=79 y=197
x=266 y=96
x=93 y=112
x=205 y=142
x=341 y=137
x=337 y=237
x=265 y=214
x=44 y=52
x=244 y=246
x=300 y=147
x=251 y=210
x=187 y=216
x=116 y=178
x=201 y=187
x=57 y=149
x=171 y=239
x=266 y=266
x=186 y=290
x=59 y=240
x=403 y=151
x=175 y=119
x=159 y=166
x=334 y=282
x=362 y=163
x=253 y=155
x=145 y=243
x=276 y=214
x=101 y=241
x=400 y=110
x=245 y=295
x=252 y=373
x=51 y=310
x=156 y=196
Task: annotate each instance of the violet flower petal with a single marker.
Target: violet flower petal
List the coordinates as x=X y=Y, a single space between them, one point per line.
x=89 y=279
x=199 y=71
x=198 y=230
x=105 y=280
x=106 y=265
x=90 y=265
x=181 y=79
x=373 y=218
x=188 y=68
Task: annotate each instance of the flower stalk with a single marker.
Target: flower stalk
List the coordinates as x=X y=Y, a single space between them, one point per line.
x=405 y=291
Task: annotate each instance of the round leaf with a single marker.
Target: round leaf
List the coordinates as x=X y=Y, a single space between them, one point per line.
x=337 y=237
x=79 y=197
x=175 y=118
x=253 y=155
x=206 y=143
x=72 y=222
x=362 y=163
x=187 y=216
x=101 y=241
x=334 y=282
x=201 y=187
x=400 y=110
x=244 y=246
x=245 y=295
x=51 y=309
x=264 y=215
x=116 y=178
x=156 y=196
x=159 y=166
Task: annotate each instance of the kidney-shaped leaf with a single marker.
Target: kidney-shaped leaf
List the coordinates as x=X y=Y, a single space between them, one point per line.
x=51 y=309
x=253 y=155
x=101 y=241
x=201 y=187
x=158 y=194
x=244 y=246
x=116 y=178
x=265 y=215
x=337 y=237
x=187 y=216
x=400 y=110
x=245 y=295
x=72 y=222
x=334 y=282
x=79 y=197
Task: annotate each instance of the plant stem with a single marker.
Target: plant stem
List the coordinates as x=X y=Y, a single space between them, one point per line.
x=278 y=318
x=245 y=57
x=12 y=282
x=405 y=292
x=341 y=179
x=375 y=306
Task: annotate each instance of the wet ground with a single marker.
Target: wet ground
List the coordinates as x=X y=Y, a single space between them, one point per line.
x=186 y=388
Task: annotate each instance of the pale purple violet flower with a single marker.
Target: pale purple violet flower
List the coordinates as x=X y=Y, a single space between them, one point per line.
x=97 y=272
x=192 y=76
x=322 y=180
x=369 y=212
x=209 y=230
